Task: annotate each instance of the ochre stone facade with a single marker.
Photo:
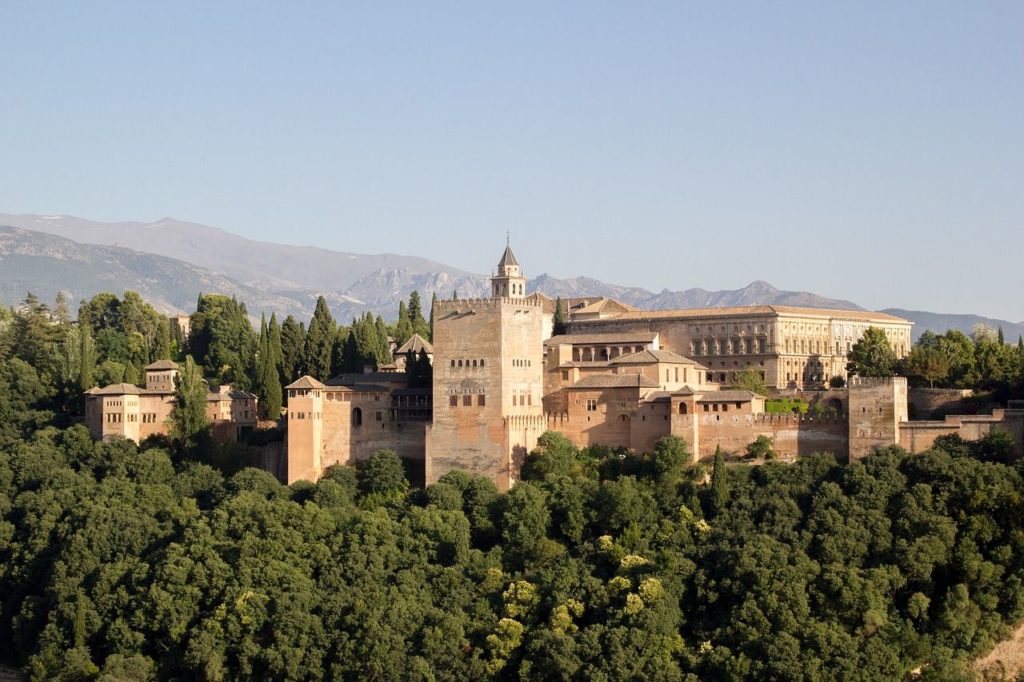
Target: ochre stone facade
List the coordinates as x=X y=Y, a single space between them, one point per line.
x=488 y=381
x=127 y=411
x=790 y=347
x=619 y=377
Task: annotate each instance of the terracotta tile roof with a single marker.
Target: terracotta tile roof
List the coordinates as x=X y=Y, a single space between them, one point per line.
x=648 y=357
x=119 y=389
x=416 y=343
x=354 y=378
x=598 y=338
x=615 y=381
x=161 y=364
x=727 y=396
x=740 y=311
x=305 y=381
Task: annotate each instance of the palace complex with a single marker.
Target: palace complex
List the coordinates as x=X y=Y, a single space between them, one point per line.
x=127 y=411
x=618 y=377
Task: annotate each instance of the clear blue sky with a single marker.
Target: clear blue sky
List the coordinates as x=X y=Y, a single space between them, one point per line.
x=869 y=151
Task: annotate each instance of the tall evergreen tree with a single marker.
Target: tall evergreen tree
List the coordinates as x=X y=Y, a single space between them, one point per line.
x=433 y=304
x=558 y=323
x=383 y=354
x=87 y=357
x=350 y=357
x=719 y=483
x=419 y=324
x=999 y=336
x=403 y=328
x=268 y=378
x=162 y=343
x=274 y=340
x=319 y=342
x=293 y=344
x=189 y=426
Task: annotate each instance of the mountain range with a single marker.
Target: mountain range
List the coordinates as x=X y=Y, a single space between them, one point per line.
x=169 y=262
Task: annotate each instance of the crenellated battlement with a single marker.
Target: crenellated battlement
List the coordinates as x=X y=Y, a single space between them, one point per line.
x=465 y=305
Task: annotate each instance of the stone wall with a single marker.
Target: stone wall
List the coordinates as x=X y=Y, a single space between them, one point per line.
x=935 y=403
x=792 y=435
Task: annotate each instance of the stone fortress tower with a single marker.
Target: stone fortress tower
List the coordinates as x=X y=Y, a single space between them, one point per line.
x=488 y=381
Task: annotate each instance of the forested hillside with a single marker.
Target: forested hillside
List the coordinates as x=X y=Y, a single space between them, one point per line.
x=123 y=563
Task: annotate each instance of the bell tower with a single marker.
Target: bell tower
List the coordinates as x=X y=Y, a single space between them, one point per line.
x=509 y=282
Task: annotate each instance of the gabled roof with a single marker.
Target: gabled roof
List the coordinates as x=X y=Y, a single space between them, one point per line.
x=603 y=305
x=161 y=365
x=648 y=357
x=305 y=381
x=119 y=389
x=416 y=343
x=508 y=258
x=615 y=381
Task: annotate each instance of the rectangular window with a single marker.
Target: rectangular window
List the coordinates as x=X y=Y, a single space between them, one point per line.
x=480 y=401
x=565 y=376
x=529 y=399
x=467 y=401
x=591 y=405
x=380 y=416
x=453 y=401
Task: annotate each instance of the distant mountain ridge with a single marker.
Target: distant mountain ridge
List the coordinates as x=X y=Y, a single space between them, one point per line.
x=170 y=262
x=940 y=322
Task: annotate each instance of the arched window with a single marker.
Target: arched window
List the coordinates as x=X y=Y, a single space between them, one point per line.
x=460 y=363
x=357 y=417
x=453 y=363
x=682 y=408
x=474 y=363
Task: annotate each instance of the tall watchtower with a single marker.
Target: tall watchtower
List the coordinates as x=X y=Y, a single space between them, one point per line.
x=488 y=381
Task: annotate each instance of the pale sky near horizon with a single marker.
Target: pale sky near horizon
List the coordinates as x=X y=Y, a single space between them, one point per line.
x=872 y=151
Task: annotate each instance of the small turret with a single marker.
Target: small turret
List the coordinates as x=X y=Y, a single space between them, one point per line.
x=509 y=282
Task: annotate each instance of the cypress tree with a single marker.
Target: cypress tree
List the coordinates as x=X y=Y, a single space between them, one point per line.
x=268 y=377
x=719 y=483
x=189 y=427
x=162 y=342
x=558 y=323
x=277 y=354
x=383 y=354
x=366 y=342
x=403 y=329
x=433 y=304
x=350 y=356
x=319 y=341
x=293 y=343
x=338 y=352
x=87 y=357
x=419 y=324
x=262 y=356
x=999 y=336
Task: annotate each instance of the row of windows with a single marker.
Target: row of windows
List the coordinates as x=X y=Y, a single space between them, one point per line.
x=738 y=328
x=466 y=363
x=716 y=407
x=467 y=400
x=734 y=346
x=521 y=362
x=522 y=399
x=311 y=415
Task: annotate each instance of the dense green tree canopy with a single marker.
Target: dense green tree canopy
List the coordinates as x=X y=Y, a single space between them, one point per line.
x=872 y=355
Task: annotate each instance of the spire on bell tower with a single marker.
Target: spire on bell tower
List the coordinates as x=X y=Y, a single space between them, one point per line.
x=509 y=282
